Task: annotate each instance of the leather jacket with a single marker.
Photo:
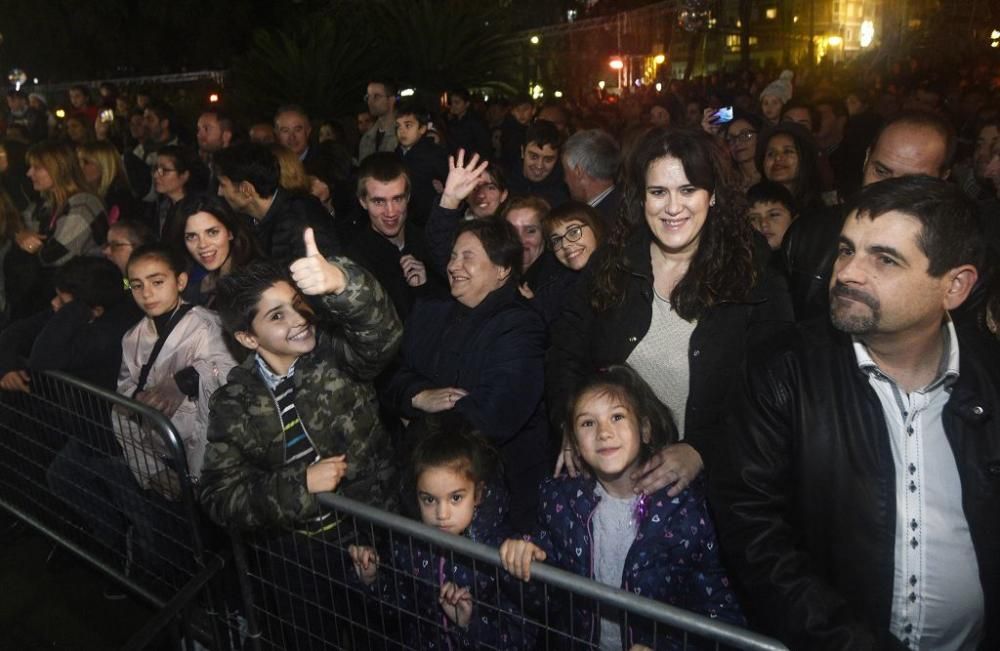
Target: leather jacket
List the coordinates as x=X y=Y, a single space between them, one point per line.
x=805 y=500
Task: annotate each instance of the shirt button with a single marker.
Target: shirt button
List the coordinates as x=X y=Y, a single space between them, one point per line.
x=908 y=628
x=909 y=430
x=913 y=543
x=695 y=353
x=913 y=596
x=913 y=524
x=912 y=468
x=913 y=580
x=632 y=340
x=977 y=410
x=913 y=487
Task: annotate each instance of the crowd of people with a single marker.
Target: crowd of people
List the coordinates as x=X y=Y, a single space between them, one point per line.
x=732 y=347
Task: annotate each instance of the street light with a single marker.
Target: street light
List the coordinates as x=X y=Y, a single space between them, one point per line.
x=995 y=35
x=616 y=63
x=535 y=40
x=601 y=84
x=835 y=41
x=867 y=33
x=659 y=59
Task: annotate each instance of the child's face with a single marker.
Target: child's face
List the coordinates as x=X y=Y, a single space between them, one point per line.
x=408 y=130
x=155 y=286
x=282 y=331
x=771 y=219
x=609 y=438
x=447 y=499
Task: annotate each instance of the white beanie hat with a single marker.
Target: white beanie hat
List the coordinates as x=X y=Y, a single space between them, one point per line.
x=780 y=87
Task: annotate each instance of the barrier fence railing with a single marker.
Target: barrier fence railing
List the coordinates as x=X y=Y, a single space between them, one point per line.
x=304 y=592
x=106 y=477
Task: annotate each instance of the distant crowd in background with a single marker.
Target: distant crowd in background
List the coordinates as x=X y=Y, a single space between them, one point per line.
x=732 y=345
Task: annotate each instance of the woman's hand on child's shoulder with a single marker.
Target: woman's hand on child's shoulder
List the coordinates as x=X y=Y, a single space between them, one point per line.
x=313 y=274
x=456 y=603
x=365 y=562
x=516 y=557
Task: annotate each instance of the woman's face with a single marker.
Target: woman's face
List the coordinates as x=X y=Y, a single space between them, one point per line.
x=91 y=170
x=41 y=180
x=781 y=159
x=770 y=106
x=742 y=140
x=208 y=240
x=471 y=273
x=676 y=210
x=485 y=199
x=76 y=131
x=529 y=230
x=573 y=242
x=166 y=179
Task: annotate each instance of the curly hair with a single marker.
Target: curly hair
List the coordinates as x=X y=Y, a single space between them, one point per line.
x=722 y=267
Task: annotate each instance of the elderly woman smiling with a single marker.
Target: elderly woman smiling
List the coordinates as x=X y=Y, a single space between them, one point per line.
x=481 y=354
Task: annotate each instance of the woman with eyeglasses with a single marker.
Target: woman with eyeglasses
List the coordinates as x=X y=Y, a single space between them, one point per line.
x=741 y=136
x=573 y=231
x=679 y=292
x=178 y=174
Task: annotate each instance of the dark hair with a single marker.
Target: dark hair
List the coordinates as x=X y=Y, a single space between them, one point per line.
x=16 y=92
x=136 y=232
x=82 y=88
x=925 y=120
x=95 y=282
x=390 y=86
x=158 y=251
x=382 y=166
x=950 y=235
x=243 y=247
x=498 y=176
x=836 y=105
x=237 y=295
x=574 y=210
x=162 y=111
x=807 y=182
x=186 y=160
x=770 y=192
x=543 y=132
x=722 y=268
x=452 y=441
x=800 y=104
x=249 y=162
x=460 y=93
x=624 y=383
x=291 y=108
x=414 y=108
x=499 y=240
x=225 y=121
x=753 y=119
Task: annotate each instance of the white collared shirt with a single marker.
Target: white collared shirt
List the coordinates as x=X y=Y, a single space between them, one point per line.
x=599 y=198
x=937 y=597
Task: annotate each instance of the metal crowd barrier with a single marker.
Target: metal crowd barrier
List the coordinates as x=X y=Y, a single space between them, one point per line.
x=302 y=592
x=65 y=454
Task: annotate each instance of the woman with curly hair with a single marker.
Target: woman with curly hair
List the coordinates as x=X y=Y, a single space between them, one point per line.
x=677 y=293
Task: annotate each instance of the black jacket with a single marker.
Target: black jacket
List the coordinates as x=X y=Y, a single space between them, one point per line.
x=551 y=282
x=469 y=133
x=804 y=499
x=494 y=351
x=552 y=188
x=279 y=233
x=609 y=207
x=425 y=162
x=583 y=340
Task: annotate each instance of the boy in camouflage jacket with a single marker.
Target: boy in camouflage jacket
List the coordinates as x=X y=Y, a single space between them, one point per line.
x=250 y=479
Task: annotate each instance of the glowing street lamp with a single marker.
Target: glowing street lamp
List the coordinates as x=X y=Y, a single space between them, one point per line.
x=995 y=35
x=835 y=41
x=601 y=84
x=867 y=33
x=535 y=40
x=616 y=63
x=659 y=59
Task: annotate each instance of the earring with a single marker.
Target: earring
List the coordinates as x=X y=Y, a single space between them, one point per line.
x=711 y=202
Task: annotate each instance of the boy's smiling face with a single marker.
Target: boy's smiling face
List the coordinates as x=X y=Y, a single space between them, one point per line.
x=282 y=330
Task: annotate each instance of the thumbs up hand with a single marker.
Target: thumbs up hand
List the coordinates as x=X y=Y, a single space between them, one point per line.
x=313 y=274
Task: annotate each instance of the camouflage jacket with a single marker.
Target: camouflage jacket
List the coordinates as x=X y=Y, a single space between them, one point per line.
x=245 y=482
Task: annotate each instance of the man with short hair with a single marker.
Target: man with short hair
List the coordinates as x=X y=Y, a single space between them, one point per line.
x=425 y=160
x=79 y=102
x=465 y=129
x=381 y=98
x=248 y=176
x=33 y=121
x=799 y=112
x=590 y=161
x=513 y=129
x=911 y=143
x=293 y=130
x=539 y=172
x=858 y=499
x=388 y=246
x=215 y=132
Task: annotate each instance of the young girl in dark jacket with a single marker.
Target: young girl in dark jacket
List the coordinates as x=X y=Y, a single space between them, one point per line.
x=657 y=546
x=447 y=602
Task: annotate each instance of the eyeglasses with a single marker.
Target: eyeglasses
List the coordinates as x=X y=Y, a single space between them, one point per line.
x=572 y=234
x=163 y=170
x=114 y=246
x=371 y=96
x=743 y=136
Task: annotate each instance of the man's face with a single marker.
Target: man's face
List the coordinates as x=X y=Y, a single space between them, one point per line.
x=137 y=126
x=293 y=130
x=262 y=134
x=77 y=98
x=378 y=100
x=799 y=115
x=905 y=150
x=539 y=161
x=985 y=141
x=457 y=106
x=153 y=126
x=409 y=130
x=831 y=126
x=229 y=191
x=880 y=285
x=282 y=330
x=386 y=206
x=522 y=113
x=211 y=137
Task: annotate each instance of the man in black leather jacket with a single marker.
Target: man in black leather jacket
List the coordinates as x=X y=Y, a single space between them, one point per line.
x=858 y=504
